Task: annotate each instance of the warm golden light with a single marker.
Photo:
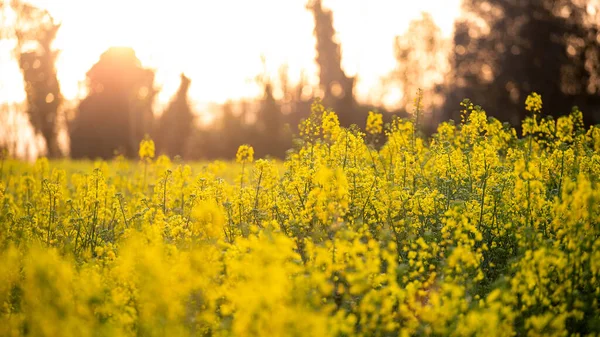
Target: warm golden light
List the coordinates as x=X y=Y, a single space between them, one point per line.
x=219 y=43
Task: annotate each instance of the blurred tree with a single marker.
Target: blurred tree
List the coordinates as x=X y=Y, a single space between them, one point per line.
x=35 y=30
x=269 y=125
x=421 y=62
x=338 y=88
x=233 y=129
x=269 y=118
x=11 y=132
x=117 y=112
x=504 y=49
x=176 y=123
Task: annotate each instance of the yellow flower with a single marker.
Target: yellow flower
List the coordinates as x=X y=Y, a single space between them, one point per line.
x=146 y=149
x=245 y=154
x=533 y=103
x=374 y=123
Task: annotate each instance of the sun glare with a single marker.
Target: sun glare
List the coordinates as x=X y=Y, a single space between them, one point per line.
x=219 y=44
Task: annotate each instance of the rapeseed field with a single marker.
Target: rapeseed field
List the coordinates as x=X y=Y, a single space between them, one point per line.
x=475 y=231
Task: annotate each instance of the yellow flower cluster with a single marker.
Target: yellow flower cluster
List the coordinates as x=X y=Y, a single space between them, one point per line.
x=533 y=103
x=374 y=123
x=245 y=154
x=146 y=149
x=472 y=232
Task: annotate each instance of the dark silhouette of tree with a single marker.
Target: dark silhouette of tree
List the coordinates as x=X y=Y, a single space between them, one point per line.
x=269 y=114
x=233 y=128
x=35 y=31
x=176 y=123
x=338 y=88
x=504 y=49
x=422 y=61
x=117 y=113
x=269 y=125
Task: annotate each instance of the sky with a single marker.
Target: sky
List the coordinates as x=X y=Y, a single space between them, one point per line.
x=219 y=44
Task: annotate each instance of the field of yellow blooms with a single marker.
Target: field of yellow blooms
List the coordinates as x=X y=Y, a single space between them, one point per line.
x=471 y=232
